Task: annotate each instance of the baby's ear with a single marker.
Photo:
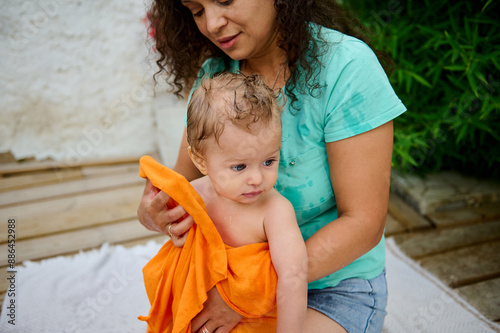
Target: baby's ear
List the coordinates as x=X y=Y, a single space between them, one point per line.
x=198 y=161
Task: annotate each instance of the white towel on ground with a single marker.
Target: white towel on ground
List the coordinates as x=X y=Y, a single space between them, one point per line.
x=103 y=291
x=419 y=302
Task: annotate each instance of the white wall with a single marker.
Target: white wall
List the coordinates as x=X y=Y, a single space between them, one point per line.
x=169 y=116
x=75 y=82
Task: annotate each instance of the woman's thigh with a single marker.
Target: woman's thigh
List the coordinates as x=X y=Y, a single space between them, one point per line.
x=356 y=305
x=318 y=322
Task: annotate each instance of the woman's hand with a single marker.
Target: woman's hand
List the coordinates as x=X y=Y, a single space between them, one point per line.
x=154 y=215
x=216 y=315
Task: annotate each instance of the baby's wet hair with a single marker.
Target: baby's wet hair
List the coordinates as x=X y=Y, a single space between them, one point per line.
x=243 y=100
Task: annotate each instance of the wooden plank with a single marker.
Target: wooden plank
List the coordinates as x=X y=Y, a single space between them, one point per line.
x=10 y=168
x=418 y=245
x=68 y=242
x=4 y=283
x=484 y=296
x=68 y=188
x=471 y=215
x=392 y=226
x=100 y=170
x=158 y=238
x=489 y=211
x=63 y=214
x=465 y=266
x=406 y=215
x=454 y=217
x=36 y=179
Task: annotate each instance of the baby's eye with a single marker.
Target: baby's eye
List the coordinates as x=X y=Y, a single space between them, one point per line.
x=239 y=167
x=269 y=162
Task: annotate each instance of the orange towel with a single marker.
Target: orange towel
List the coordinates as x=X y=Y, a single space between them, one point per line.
x=177 y=279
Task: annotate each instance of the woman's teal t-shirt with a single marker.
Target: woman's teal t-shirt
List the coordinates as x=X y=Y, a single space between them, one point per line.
x=355 y=97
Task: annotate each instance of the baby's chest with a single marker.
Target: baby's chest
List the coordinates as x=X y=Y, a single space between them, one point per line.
x=238 y=228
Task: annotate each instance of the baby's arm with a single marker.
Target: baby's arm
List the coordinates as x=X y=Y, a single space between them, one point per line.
x=289 y=257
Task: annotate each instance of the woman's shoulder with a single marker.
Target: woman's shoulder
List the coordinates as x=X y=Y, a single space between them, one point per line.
x=215 y=65
x=339 y=46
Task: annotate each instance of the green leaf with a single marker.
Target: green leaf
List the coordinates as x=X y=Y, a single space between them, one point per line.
x=484 y=127
x=461 y=134
x=486 y=5
x=495 y=62
x=420 y=79
x=408 y=83
x=468 y=33
x=486 y=108
x=459 y=68
x=481 y=78
x=473 y=83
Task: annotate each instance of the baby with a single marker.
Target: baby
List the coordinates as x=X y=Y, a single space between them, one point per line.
x=246 y=240
x=234 y=133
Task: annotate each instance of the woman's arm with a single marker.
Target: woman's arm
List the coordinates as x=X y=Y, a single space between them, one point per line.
x=360 y=168
x=152 y=211
x=184 y=165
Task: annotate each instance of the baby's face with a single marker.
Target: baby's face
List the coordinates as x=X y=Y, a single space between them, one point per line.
x=243 y=167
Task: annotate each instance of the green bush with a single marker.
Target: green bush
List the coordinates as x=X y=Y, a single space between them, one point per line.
x=447 y=56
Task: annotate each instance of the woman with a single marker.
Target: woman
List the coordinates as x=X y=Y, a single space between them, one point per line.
x=336 y=145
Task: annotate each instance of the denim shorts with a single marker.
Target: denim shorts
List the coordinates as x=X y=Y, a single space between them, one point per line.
x=356 y=304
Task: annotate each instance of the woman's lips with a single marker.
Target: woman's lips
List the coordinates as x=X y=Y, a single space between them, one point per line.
x=228 y=42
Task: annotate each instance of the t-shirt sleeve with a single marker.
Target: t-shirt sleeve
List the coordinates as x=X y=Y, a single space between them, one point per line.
x=359 y=95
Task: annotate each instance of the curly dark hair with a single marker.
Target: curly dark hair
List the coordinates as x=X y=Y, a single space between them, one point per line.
x=181 y=60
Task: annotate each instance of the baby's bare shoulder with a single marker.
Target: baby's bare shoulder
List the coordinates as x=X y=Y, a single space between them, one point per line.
x=202 y=186
x=276 y=201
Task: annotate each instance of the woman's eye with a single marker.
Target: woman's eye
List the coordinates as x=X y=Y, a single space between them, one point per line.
x=239 y=167
x=198 y=13
x=269 y=162
x=226 y=3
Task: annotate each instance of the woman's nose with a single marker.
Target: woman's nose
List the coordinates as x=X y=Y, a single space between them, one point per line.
x=215 y=20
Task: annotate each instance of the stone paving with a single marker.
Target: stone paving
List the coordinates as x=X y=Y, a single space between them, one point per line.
x=450 y=225
x=445 y=191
